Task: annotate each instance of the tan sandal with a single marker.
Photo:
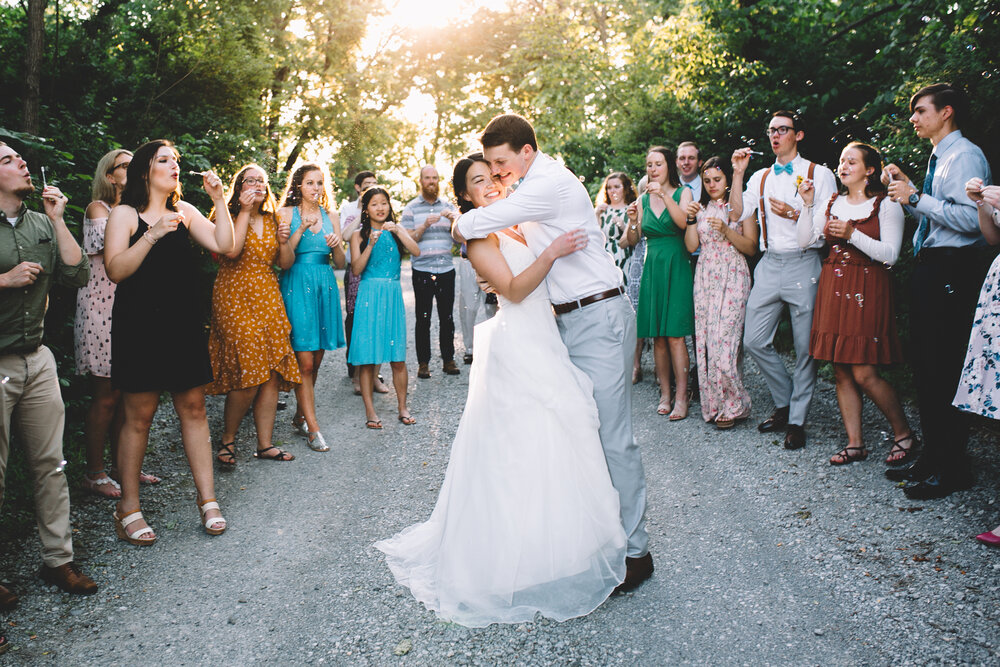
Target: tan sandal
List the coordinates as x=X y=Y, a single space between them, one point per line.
x=211 y=525
x=121 y=528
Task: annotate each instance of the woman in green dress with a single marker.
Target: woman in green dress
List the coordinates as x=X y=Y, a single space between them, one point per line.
x=666 y=302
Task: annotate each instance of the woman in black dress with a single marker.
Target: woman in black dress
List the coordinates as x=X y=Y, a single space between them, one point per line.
x=158 y=338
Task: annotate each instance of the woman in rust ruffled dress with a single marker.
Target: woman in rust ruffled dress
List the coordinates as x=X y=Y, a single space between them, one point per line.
x=854 y=323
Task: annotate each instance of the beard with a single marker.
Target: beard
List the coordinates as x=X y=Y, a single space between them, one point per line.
x=24 y=192
x=431 y=192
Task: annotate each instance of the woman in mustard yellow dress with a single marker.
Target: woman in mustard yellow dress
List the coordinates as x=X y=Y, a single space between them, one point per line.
x=252 y=358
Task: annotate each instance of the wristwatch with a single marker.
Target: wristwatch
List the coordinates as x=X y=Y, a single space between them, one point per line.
x=914 y=199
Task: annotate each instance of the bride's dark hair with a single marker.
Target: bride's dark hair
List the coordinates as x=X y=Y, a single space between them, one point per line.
x=458 y=176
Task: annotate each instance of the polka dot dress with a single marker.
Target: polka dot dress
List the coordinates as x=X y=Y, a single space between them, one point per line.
x=92 y=328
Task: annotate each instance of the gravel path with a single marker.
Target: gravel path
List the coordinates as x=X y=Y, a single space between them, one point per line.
x=763 y=556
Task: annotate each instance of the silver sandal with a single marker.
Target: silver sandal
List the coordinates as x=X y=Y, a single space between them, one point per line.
x=316 y=442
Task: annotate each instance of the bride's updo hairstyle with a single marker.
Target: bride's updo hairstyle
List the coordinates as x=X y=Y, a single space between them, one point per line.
x=458 y=180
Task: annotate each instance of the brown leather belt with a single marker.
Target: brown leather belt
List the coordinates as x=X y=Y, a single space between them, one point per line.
x=563 y=308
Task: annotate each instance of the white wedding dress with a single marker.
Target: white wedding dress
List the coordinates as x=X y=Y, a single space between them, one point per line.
x=527 y=519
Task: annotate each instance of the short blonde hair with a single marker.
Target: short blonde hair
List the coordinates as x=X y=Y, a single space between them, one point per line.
x=102 y=189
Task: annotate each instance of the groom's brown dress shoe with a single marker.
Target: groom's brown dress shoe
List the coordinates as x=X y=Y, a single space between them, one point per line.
x=7 y=599
x=637 y=570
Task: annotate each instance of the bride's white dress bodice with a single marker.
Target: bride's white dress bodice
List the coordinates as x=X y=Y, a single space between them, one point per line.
x=519 y=257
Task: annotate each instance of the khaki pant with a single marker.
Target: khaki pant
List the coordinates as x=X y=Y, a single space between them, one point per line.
x=31 y=403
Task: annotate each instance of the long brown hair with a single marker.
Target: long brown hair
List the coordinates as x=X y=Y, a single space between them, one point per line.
x=293 y=188
x=267 y=207
x=136 y=192
x=627 y=186
x=870 y=157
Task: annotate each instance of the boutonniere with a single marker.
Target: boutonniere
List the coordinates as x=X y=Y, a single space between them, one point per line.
x=798 y=181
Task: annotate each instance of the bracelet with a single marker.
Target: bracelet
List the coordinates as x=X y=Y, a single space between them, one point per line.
x=149 y=237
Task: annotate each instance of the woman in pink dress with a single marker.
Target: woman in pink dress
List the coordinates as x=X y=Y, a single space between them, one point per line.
x=721 y=289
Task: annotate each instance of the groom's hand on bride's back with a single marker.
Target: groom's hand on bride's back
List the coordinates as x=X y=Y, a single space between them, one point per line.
x=568 y=243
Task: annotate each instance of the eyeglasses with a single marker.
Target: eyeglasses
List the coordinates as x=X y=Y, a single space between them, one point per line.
x=120 y=165
x=254 y=181
x=780 y=131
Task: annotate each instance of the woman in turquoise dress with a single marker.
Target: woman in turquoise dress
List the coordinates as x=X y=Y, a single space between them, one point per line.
x=309 y=289
x=379 y=332
x=666 y=302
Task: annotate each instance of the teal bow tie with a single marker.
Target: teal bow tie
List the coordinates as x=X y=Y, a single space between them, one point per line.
x=787 y=169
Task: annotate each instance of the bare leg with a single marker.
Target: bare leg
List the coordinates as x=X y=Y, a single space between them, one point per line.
x=637 y=367
x=367 y=372
x=400 y=378
x=98 y=422
x=237 y=404
x=849 y=400
x=661 y=360
x=139 y=411
x=884 y=397
x=305 y=393
x=265 y=406
x=190 y=407
x=681 y=364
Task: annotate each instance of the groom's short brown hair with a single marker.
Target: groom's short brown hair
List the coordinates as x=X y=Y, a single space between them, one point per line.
x=509 y=128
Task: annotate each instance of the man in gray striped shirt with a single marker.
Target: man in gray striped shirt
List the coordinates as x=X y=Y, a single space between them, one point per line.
x=433 y=271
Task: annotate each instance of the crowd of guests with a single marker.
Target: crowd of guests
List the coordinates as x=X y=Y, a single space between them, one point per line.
x=682 y=239
x=824 y=254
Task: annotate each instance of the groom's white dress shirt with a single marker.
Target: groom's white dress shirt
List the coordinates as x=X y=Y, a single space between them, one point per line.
x=551 y=201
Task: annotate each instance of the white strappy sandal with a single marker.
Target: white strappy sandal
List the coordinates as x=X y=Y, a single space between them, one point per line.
x=211 y=525
x=137 y=538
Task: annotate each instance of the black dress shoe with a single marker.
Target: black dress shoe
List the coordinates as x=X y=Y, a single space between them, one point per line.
x=796 y=437
x=467 y=359
x=911 y=473
x=937 y=486
x=776 y=422
x=637 y=570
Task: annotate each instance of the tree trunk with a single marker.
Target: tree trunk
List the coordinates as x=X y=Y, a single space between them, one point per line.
x=33 y=66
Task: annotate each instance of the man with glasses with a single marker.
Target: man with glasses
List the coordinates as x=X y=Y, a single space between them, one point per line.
x=36 y=250
x=787 y=275
x=951 y=265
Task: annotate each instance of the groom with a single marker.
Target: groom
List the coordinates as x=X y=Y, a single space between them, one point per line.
x=595 y=320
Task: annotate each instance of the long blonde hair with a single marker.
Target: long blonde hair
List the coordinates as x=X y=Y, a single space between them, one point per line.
x=102 y=189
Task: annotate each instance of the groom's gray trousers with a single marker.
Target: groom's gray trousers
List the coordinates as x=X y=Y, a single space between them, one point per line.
x=601 y=342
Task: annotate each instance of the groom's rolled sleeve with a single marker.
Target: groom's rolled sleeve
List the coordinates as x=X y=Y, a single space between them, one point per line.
x=531 y=202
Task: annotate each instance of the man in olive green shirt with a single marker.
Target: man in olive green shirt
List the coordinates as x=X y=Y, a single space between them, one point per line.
x=35 y=250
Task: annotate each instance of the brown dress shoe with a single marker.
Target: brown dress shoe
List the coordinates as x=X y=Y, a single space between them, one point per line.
x=7 y=599
x=423 y=371
x=69 y=578
x=776 y=422
x=637 y=570
x=450 y=368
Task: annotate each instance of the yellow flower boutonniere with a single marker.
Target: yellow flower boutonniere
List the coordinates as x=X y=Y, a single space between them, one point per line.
x=798 y=181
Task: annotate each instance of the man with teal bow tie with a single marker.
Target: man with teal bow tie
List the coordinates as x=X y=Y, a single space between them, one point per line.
x=787 y=275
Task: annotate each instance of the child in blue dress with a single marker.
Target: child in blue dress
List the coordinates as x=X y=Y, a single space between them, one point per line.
x=379 y=332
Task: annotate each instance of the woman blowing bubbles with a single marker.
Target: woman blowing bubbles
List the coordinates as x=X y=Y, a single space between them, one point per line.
x=158 y=339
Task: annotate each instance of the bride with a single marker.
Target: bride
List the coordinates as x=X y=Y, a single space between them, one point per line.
x=527 y=519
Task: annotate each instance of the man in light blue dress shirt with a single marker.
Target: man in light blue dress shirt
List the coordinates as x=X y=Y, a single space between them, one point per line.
x=951 y=263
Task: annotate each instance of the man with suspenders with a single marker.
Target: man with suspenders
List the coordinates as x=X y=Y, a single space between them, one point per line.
x=786 y=275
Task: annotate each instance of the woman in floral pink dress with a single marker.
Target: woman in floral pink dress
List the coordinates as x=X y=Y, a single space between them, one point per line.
x=721 y=288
